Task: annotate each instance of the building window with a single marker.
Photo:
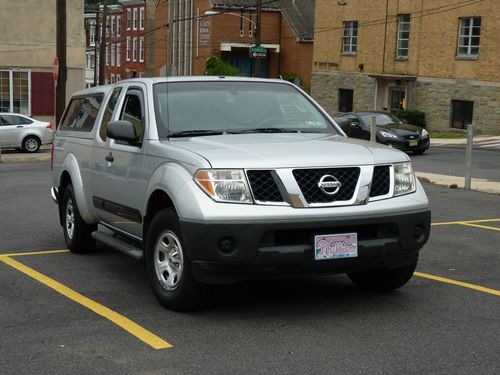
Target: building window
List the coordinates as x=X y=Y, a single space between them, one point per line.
x=350 y=37
x=242 y=25
x=468 y=36
x=141 y=49
x=112 y=54
x=118 y=77
x=250 y=25
x=141 y=24
x=118 y=26
x=128 y=18
x=118 y=54
x=15 y=91
x=127 y=50
x=107 y=55
x=345 y=100
x=398 y=98
x=461 y=115
x=403 y=39
x=134 y=49
x=107 y=25
x=113 y=26
x=134 y=25
x=92 y=29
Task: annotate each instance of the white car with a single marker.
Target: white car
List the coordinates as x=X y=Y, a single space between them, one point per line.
x=23 y=132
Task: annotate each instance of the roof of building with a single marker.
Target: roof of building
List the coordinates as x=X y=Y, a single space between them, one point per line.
x=298 y=13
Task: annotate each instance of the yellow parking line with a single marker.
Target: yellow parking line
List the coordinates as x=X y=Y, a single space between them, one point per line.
x=35 y=253
x=466 y=222
x=480 y=226
x=120 y=320
x=459 y=283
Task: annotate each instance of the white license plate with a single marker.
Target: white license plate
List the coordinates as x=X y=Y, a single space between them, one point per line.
x=413 y=142
x=335 y=246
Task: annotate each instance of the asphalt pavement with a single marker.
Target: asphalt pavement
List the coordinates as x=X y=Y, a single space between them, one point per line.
x=63 y=313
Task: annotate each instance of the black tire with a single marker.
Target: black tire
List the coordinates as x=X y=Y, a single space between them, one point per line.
x=418 y=152
x=31 y=144
x=383 y=280
x=77 y=233
x=174 y=289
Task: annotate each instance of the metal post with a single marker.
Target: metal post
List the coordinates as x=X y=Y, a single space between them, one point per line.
x=373 y=129
x=258 y=37
x=96 y=46
x=170 y=44
x=102 y=43
x=468 y=156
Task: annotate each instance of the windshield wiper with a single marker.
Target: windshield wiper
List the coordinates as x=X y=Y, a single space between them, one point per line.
x=194 y=133
x=269 y=130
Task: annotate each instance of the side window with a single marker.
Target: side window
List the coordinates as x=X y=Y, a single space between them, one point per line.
x=10 y=120
x=82 y=112
x=109 y=112
x=133 y=111
x=24 y=121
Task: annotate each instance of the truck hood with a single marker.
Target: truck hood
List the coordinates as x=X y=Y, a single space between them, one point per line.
x=288 y=150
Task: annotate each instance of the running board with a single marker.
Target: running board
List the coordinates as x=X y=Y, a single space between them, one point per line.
x=118 y=244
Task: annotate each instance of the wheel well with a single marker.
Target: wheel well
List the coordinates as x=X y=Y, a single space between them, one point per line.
x=157 y=202
x=33 y=136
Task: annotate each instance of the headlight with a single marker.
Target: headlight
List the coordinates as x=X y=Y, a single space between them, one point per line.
x=425 y=133
x=385 y=134
x=224 y=185
x=404 y=179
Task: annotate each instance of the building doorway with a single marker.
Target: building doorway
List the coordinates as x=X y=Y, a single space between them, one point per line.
x=397 y=98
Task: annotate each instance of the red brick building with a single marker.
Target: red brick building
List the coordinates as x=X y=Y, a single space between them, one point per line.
x=286 y=32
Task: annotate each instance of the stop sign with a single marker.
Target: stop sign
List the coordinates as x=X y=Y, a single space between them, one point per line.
x=55 y=70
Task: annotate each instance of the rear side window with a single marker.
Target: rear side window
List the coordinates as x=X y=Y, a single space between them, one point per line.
x=82 y=113
x=109 y=112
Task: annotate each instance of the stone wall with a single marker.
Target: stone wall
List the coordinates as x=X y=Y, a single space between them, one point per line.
x=326 y=85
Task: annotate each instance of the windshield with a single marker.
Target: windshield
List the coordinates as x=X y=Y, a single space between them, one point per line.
x=205 y=108
x=381 y=119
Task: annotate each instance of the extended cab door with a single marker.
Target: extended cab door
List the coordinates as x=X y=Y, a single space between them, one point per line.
x=118 y=182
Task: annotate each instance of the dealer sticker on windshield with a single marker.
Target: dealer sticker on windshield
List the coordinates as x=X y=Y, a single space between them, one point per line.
x=335 y=246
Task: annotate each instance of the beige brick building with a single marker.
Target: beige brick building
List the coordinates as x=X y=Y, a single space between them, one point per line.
x=27 y=52
x=441 y=57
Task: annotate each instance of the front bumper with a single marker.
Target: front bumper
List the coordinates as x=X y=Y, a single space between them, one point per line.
x=227 y=252
x=404 y=144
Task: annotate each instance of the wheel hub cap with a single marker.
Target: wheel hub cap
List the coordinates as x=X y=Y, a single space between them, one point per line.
x=168 y=260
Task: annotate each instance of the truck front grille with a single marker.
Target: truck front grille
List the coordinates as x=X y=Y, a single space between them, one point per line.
x=308 y=180
x=380 y=181
x=263 y=186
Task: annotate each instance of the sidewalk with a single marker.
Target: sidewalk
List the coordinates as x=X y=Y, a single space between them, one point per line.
x=44 y=154
x=479 y=140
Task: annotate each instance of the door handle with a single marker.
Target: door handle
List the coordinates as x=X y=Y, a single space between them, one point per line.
x=110 y=158
x=19 y=126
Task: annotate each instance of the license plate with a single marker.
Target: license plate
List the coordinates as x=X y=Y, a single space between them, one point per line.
x=335 y=246
x=413 y=142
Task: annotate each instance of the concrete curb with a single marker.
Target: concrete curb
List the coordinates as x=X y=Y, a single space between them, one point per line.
x=456 y=182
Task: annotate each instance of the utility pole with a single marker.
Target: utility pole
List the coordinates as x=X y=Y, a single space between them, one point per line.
x=61 y=55
x=102 y=43
x=258 y=37
x=170 y=46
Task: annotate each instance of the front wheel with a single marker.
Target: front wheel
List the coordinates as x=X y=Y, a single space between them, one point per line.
x=77 y=233
x=383 y=280
x=168 y=265
x=418 y=152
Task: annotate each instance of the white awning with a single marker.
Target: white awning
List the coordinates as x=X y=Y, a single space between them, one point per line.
x=228 y=46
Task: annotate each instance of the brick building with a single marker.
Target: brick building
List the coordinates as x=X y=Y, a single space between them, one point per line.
x=286 y=32
x=440 y=57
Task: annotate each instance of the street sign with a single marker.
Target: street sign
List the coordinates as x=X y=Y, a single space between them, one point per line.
x=55 y=70
x=258 y=52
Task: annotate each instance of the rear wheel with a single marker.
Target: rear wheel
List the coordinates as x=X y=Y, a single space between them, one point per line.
x=383 y=280
x=168 y=265
x=77 y=233
x=31 y=144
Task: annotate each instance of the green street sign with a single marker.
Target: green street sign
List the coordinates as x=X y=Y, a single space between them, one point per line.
x=258 y=52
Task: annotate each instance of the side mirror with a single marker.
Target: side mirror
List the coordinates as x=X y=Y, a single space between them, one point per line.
x=355 y=125
x=122 y=131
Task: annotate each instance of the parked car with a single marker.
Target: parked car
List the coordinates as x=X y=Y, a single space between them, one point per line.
x=23 y=132
x=213 y=180
x=391 y=131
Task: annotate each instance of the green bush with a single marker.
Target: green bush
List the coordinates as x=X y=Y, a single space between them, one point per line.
x=215 y=66
x=411 y=117
x=290 y=77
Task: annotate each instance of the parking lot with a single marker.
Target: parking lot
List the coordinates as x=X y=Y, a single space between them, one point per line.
x=65 y=313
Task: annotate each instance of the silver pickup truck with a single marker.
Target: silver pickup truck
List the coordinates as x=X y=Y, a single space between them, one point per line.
x=213 y=180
